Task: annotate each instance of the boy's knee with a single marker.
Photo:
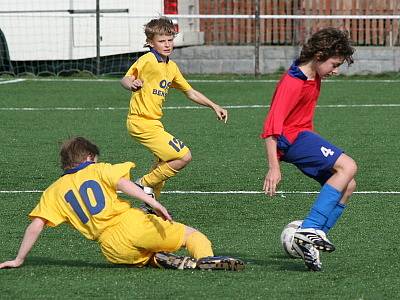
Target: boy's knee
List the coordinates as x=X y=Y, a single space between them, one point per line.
x=180 y=163
x=187 y=158
x=347 y=165
x=352 y=167
x=351 y=187
x=189 y=230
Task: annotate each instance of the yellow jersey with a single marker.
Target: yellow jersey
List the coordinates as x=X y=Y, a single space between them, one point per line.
x=157 y=77
x=86 y=198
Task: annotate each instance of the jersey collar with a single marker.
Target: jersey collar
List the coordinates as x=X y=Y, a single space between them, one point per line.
x=295 y=71
x=78 y=167
x=158 y=56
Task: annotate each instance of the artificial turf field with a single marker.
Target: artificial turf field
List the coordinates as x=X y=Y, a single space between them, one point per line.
x=219 y=192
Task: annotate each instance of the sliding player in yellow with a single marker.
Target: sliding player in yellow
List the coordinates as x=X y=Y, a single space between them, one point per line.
x=149 y=79
x=86 y=197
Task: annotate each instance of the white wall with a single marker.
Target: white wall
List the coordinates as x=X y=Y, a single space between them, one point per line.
x=64 y=36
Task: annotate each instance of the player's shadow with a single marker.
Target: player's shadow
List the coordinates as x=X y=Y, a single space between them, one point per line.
x=280 y=262
x=47 y=261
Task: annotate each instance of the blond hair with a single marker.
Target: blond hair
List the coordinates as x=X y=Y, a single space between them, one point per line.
x=161 y=26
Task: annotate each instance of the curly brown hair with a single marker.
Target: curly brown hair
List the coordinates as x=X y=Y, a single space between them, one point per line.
x=162 y=26
x=326 y=43
x=75 y=151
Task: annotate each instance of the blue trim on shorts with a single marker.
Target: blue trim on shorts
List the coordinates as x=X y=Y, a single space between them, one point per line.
x=311 y=154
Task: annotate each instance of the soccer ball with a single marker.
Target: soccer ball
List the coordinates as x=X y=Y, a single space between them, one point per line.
x=287 y=236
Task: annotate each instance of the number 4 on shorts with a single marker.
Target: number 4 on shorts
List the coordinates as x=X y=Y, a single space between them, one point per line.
x=326 y=151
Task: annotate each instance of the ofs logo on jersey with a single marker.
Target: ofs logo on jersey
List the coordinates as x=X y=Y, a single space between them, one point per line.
x=164 y=85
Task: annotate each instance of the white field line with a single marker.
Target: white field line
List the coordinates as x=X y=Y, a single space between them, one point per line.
x=220 y=192
x=276 y=80
x=11 y=81
x=183 y=107
x=94 y=80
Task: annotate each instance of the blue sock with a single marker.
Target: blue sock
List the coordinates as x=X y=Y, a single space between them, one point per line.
x=334 y=217
x=326 y=201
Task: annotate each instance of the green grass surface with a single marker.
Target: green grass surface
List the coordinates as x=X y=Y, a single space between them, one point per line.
x=225 y=158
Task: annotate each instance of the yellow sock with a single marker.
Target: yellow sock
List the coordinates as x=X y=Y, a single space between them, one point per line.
x=159 y=186
x=158 y=175
x=157 y=189
x=198 y=245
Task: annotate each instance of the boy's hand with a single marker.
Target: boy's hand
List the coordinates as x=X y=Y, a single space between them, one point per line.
x=11 y=264
x=136 y=85
x=222 y=114
x=162 y=212
x=196 y=96
x=271 y=181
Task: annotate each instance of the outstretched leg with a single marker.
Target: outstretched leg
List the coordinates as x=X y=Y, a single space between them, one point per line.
x=201 y=255
x=329 y=205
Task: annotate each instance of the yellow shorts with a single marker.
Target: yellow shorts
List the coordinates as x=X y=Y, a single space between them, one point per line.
x=151 y=134
x=138 y=236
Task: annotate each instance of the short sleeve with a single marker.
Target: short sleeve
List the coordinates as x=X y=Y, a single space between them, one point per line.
x=47 y=209
x=111 y=174
x=134 y=70
x=179 y=82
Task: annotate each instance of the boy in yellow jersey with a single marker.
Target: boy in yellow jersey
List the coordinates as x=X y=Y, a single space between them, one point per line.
x=149 y=79
x=85 y=196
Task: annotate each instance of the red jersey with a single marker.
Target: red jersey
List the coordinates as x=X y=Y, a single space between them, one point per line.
x=293 y=105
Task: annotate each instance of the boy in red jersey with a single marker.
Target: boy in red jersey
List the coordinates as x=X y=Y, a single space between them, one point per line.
x=289 y=136
x=85 y=197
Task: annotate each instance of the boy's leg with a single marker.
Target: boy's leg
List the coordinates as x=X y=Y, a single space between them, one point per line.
x=158 y=187
x=172 y=154
x=140 y=239
x=328 y=208
x=165 y=170
x=311 y=228
x=324 y=162
x=201 y=255
x=159 y=175
x=197 y=244
x=326 y=201
x=337 y=188
x=337 y=212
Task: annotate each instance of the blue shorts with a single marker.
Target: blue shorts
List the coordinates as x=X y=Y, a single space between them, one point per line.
x=310 y=153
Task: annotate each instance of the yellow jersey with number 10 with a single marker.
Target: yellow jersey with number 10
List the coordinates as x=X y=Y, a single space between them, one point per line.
x=86 y=198
x=157 y=77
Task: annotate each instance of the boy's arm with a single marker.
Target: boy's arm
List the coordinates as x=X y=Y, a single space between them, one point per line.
x=196 y=96
x=128 y=187
x=130 y=83
x=32 y=233
x=273 y=176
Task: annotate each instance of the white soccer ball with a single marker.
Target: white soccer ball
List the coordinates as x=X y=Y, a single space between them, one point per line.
x=287 y=237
